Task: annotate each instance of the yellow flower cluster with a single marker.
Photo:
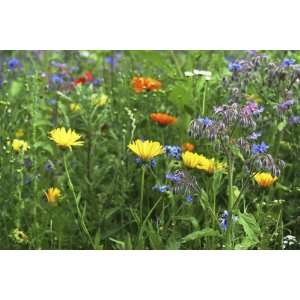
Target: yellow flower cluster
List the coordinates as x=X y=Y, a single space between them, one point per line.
x=196 y=161
x=19 y=145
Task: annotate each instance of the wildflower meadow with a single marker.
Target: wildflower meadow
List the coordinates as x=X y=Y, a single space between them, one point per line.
x=150 y=150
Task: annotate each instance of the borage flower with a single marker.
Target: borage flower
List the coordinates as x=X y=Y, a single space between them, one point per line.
x=163 y=119
x=146 y=150
x=173 y=151
x=265 y=179
x=65 y=138
x=53 y=194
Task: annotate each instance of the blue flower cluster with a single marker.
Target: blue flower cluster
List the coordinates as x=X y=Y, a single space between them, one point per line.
x=259 y=148
x=174 y=177
x=173 y=151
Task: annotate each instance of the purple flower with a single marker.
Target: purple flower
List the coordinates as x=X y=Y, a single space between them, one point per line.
x=251 y=108
x=259 y=148
x=173 y=151
x=287 y=62
x=254 y=135
x=13 y=63
x=285 y=105
x=58 y=65
x=97 y=82
x=294 y=120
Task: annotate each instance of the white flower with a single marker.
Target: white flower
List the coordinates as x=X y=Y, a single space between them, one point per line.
x=188 y=74
x=207 y=74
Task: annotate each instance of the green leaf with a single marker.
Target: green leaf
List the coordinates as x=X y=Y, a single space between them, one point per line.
x=181 y=94
x=282 y=125
x=245 y=244
x=250 y=226
x=206 y=232
x=15 y=88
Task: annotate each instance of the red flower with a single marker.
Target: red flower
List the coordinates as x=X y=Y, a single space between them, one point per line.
x=88 y=76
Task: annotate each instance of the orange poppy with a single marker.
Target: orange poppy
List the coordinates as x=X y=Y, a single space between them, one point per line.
x=141 y=84
x=163 y=119
x=188 y=147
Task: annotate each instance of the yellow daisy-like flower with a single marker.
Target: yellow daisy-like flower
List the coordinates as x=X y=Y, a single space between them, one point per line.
x=74 y=107
x=20 y=133
x=146 y=150
x=101 y=101
x=211 y=166
x=53 y=194
x=19 y=145
x=192 y=160
x=65 y=138
x=265 y=179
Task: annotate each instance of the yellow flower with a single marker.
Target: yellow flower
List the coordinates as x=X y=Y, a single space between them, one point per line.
x=101 y=101
x=64 y=138
x=192 y=160
x=20 y=145
x=52 y=195
x=146 y=150
x=20 y=133
x=265 y=179
x=74 y=107
x=210 y=165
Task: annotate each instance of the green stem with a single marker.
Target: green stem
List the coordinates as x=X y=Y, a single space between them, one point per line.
x=82 y=223
x=142 y=193
x=204 y=97
x=230 y=202
x=177 y=65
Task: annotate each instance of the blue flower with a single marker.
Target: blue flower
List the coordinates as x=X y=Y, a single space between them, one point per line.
x=51 y=101
x=189 y=198
x=287 y=62
x=57 y=79
x=153 y=163
x=234 y=67
x=174 y=177
x=13 y=63
x=49 y=166
x=161 y=188
x=173 y=151
x=113 y=60
x=259 y=148
x=97 y=82
x=206 y=122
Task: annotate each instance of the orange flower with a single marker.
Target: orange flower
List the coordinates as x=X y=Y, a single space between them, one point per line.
x=152 y=84
x=188 y=147
x=163 y=119
x=138 y=84
x=141 y=84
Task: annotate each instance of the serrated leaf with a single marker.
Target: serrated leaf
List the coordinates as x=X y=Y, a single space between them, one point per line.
x=250 y=226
